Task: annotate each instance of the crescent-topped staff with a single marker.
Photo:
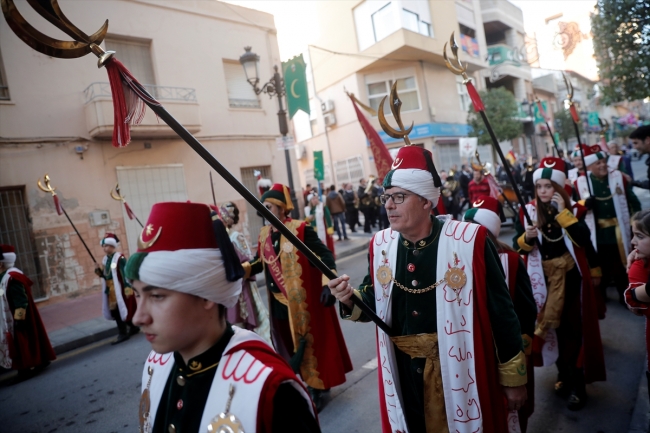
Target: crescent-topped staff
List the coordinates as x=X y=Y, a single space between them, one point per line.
x=120 y=77
x=576 y=120
x=48 y=188
x=117 y=195
x=459 y=69
x=543 y=114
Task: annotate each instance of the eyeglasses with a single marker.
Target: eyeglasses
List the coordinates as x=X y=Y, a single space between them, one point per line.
x=398 y=197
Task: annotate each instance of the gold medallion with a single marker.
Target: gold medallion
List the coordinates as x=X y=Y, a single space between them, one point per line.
x=226 y=422
x=455 y=278
x=384 y=275
x=619 y=191
x=145 y=405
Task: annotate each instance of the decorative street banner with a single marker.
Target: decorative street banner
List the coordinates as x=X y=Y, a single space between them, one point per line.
x=319 y=165
x=295 y=81
x=467 y=146
x=593 y=119
x=539 y=117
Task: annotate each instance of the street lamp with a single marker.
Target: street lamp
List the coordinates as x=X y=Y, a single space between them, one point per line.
x=529 y=126
x=274 y=87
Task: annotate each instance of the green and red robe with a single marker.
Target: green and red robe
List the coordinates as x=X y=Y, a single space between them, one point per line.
x=297 y=315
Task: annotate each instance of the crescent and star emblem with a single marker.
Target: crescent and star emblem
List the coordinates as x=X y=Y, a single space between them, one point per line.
x=142 y=245
x=479 y=203
x=397 y=163
x=548 y=164
x=291 y=88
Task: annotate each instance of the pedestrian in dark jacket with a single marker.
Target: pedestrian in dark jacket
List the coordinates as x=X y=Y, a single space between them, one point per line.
x=351 y=207
x=336 y=205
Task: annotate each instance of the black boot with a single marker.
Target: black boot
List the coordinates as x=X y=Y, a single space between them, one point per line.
x=647 y=375
x=563 y=385
x=133 y=329
x=317 y=397
x=123 y=335
x=578 y=397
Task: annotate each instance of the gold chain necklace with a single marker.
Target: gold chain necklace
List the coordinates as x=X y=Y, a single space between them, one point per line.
x=418 y=291
x=551 y=240
x=609 y=197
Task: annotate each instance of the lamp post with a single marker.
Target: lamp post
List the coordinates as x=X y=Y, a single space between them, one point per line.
x=529 y=127
x=274 y=87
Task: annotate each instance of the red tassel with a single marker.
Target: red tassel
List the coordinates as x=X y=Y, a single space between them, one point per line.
x=128 y=102
x=57 y=204
x=129 y=212
x=473 y=95
x=574 y=113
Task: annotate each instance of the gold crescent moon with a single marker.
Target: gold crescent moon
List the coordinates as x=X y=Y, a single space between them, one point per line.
x=547 y=165
x=293 y=92
x=479 y=203
x=142 y=245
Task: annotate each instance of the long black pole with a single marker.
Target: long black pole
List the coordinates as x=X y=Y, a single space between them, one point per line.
x=582 y=154
x=504 y=161
x=557 y=147
x=78 y=234
x=250 y=198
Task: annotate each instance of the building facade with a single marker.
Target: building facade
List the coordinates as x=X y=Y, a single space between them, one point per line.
x=56 y=117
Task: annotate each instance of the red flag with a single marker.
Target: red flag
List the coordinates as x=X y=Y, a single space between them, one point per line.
x=57 y=205
x=383 y=160
x=129 y=212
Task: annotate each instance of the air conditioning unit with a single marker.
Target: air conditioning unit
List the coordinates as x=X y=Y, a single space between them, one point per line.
x=330 y=119
x=301 y=151
x=327 y=106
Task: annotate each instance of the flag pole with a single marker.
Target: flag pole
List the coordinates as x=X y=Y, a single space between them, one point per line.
x=49 y=189
x=543 y=113
x=576 y=119
x=121 y=77
x=461 y=70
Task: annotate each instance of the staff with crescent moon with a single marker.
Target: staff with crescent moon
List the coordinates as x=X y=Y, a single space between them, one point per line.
x=117 y=195
x=121 y=81
x=48 y=188
x=576 y=120
x=459 y=69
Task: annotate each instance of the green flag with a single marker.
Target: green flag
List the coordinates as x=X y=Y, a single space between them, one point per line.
x=295 y=81
x=593 y=119
x=538 y=116
x=319 y=167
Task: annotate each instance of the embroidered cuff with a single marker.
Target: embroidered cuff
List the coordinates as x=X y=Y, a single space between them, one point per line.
x=521 y=241
x=566 y=218
x=513 y=372
x=356 y=313
x=528 y=344
x=20 y=314
x=247 y=270
x=325 y=280
x=596 y=272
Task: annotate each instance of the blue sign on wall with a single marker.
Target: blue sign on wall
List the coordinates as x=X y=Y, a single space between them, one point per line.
x=431 y=130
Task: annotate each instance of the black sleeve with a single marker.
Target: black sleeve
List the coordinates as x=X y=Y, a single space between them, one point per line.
x=579 y=233
x=525 y=305
x=256 y=265
x=505 y=324
x=291 y=413
x=318 y=247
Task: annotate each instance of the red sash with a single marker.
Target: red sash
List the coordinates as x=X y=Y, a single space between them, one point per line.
x=273 y=262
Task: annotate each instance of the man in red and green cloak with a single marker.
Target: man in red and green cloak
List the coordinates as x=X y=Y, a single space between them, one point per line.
x=304 y=326
x=456 y=361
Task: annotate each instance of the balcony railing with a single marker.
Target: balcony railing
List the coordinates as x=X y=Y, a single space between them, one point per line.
x=161 y=93
x=500 y=53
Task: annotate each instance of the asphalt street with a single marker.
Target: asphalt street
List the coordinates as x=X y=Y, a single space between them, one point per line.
x=98 y=388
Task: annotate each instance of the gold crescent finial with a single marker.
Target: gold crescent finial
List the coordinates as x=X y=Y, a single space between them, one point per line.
x=47 y=188
x=569 y=87
x=395 y=108
x=116 y=194
x=457 y=67
x=50 y=10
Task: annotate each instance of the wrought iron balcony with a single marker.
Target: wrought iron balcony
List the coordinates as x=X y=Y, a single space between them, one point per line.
x=181 y=102
x=161 y=93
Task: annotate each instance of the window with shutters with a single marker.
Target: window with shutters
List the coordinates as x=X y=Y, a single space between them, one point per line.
x=136 y=56
x=349 y=171
x=240 y=92
x=408 y=93
x=4 y=87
